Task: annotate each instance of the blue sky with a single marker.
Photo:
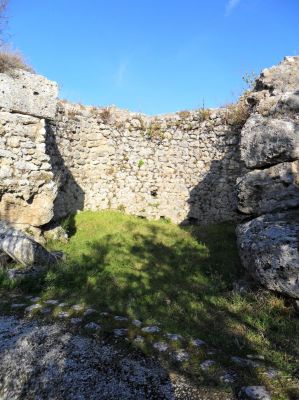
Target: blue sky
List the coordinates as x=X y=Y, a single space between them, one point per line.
x=153 y=56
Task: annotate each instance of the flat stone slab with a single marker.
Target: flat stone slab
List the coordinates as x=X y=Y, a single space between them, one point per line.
x=28 y=93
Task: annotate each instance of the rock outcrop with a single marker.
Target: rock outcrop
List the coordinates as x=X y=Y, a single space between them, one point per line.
x=269 y=250
x=269 y=147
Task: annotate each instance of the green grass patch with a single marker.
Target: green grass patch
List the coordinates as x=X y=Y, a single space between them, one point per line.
x=183 y=278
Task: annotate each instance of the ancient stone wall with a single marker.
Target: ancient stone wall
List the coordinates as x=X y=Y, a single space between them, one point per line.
x=180 y=166
x=27 y=187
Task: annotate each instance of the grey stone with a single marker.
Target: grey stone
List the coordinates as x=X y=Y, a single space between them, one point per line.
x=92 y=326
x=254 y=393
x=63 y=314
x=28 y=93
x=120 y=332
x=120 y=318
x=180 y=355
x=136 y=322
x=89 y=311
x=207 y=364
x=22 y=248
x=266 y=141
x=289 y=102
x=271 y=189
x=75 y=321
x=160 y=346
x=174 y=336
x=150 y=329
x=198 y=342
x=268 y=247
x=52 y=302
x=33 y=307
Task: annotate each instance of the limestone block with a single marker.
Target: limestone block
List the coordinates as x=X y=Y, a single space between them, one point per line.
x=23 y=248
x=37 y=211
x=271 y=189
x=28 y=93
x=268 y=247
x=268 y=141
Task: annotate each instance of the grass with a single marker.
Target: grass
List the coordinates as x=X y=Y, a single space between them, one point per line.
x=11 y=60
x=183 y=278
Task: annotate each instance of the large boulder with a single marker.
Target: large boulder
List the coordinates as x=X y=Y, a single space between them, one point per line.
x=268 y=247
x=266 y=141
x=271 y=189
x=22 y=248
x=27 y=93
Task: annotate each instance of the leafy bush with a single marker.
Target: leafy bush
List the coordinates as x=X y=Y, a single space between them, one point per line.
x=10 y=61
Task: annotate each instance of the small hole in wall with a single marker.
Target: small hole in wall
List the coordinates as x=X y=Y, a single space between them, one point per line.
x=30 y=200
x=154 y=193
x=35 y=93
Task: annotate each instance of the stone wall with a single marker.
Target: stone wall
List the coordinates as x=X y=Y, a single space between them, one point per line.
x=27 y=186
x=180 y=166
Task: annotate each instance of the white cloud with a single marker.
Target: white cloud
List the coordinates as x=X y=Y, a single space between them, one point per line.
x=230 y=5
x=121 y=72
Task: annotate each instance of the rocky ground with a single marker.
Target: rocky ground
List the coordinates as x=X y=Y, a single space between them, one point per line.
x=50 y=362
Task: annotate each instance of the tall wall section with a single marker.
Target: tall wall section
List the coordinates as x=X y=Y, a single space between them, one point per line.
x=27 y=186
x=180 y=166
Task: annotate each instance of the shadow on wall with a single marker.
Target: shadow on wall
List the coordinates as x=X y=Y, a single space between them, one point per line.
x=70 y=197
x=214 y=198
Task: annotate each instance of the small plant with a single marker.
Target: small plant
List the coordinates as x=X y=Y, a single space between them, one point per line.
x=204 y=114
x=105 y=115
x=237 y=114
x=154 y=131
x=121 y=208
x=250 y=79
x=140 y=163
x=184 y=114
x=10 y=61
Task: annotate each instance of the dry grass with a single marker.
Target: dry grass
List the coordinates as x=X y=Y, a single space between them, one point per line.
x=10 y=61
x=184 y=114
x=237 y=114
x=105 y=115
x=204 y=114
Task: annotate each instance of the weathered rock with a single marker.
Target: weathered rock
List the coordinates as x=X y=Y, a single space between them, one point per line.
x=280 y=78
x=56 y=233
x=22 y=248
x=254 y=393
x=266 y=141
x=27 y=186
x=271 y=189
x=28 y=93
x=289 y=102
x=268 y=247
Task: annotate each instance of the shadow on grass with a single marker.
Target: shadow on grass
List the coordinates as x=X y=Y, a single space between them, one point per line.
x=184 y=285
x=182 y=278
